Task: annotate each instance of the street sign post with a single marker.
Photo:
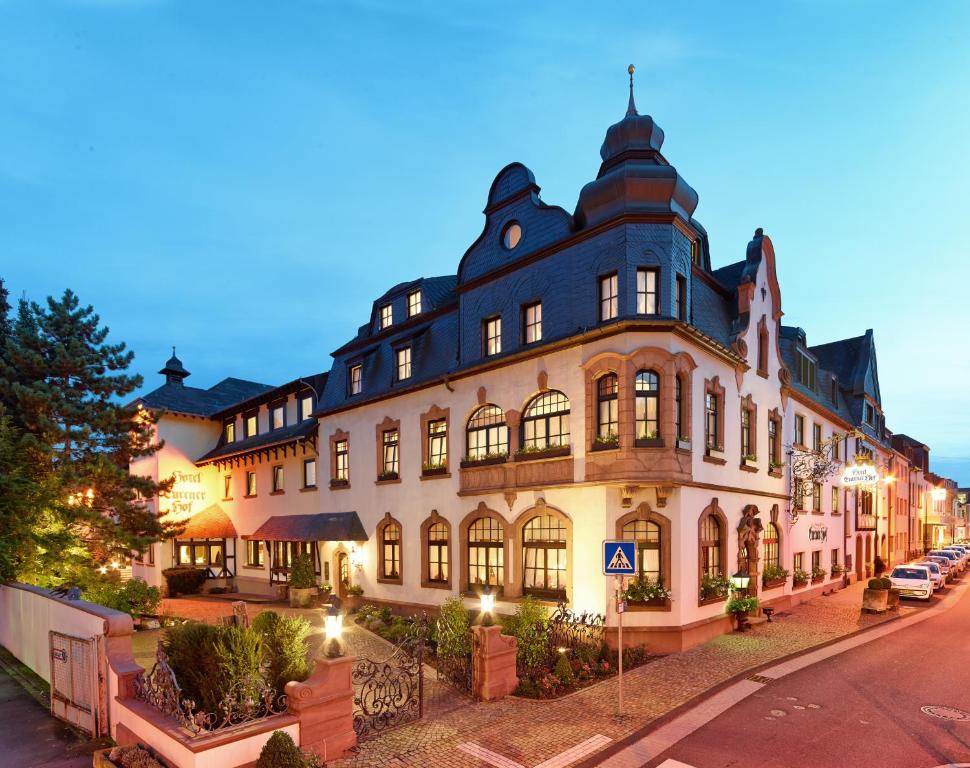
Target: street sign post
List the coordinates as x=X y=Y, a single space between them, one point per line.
x=619 y=561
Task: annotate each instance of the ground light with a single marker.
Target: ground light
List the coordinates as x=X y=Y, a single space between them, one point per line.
x=333 y=628
x=488 y=605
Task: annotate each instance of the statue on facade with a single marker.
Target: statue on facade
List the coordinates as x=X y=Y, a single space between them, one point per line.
x=749 y=531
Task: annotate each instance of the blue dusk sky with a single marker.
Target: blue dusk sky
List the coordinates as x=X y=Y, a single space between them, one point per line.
x=241 y=179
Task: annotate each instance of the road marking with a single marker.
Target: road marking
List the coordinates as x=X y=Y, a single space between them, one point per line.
x=671 y=763
x=564 y=758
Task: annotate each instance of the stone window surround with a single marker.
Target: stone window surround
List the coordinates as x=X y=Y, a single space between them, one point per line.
x=715 y=511
x=645 y=512
x=483 y=511
x=713 y=386
x=433 y=519
x=668 y=365
x=434 y=413
x=379 y=539
x=748 y=404
x=336 y=437
x=387 y=425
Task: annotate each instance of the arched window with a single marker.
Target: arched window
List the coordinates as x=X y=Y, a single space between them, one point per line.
x=607 y=424
x=487 y=434
x=648 y=406
x=438 y=553
x=647 y=536
x=545 y=423
x=544 y=557
x=486 y=553
x=391 y=551
x=710 y=546
x=770 y=540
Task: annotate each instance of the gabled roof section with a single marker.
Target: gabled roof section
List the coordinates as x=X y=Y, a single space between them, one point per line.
x=315 y=381
x=854 y=360
x=178 y=398
x=791 y=340
x=293 y=433
x=211 y=523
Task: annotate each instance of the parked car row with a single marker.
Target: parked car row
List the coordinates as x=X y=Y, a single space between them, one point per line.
x=931 y=573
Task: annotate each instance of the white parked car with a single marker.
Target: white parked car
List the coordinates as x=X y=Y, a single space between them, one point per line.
x=962 y=551
x=945 y=564
x=936 y=574
x=912 y=581
x=953 y=556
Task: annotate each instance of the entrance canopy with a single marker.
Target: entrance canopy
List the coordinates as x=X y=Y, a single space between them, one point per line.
x=210 y=523
x=327 y=526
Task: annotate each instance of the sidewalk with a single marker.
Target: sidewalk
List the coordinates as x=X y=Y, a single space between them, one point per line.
x=527 y=732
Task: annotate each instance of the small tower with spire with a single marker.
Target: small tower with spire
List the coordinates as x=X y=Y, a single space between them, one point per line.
x=174 y=371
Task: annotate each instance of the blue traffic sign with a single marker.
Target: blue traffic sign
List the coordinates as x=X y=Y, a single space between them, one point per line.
x=619 y=558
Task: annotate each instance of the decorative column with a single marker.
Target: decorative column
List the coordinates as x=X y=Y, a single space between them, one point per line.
x=324 y=703
x=493 y=663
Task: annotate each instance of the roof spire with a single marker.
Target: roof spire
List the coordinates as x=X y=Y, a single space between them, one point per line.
x=631 y=110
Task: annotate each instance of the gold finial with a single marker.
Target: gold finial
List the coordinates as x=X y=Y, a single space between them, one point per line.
x=632 y=107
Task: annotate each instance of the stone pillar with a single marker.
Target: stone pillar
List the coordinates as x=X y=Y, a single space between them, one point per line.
x=324 y=703
x=493 y=664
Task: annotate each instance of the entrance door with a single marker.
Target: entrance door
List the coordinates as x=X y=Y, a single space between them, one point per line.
x=343 y=574
x=76 y=685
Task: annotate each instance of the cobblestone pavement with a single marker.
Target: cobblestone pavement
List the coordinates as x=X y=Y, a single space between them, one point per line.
x=530 y=732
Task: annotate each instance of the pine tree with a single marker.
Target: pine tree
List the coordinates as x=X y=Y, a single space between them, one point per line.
x=64 y=386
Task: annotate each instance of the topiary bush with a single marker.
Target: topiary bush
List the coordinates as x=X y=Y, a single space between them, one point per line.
x=875 y=584
x=301 y=572
x=887 y=583
x=564 y=670
x=183 y=580
x=281 y=752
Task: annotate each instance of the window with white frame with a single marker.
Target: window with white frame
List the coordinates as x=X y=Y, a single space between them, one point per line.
x=309 y=473
x=355 y=379
x=532 y=323
x=403 y=356
x=387 y=316
x=609 y=297
x=414 y=303
x=647 y=301
x=492 y=336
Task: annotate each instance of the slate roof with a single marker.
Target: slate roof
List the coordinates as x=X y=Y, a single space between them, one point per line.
x=840 y=407
x=210 y=523
x=327 y=526
x=274 y=438
x=315 y=382
x=712 y=312
x=845 y=358
x=178 y=398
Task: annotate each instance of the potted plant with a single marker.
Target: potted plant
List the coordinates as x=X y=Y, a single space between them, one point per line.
x=740 y=606
x=131 y=755
x=799 y=578
x=875 y=597
x=643 y=591
x=714 y=587
x=818 y=574
x=605 y=442
x=773 y=576
x=325 y=589
x=837 y=570
x=303 y=581
x=892 y=597
x=354 y=597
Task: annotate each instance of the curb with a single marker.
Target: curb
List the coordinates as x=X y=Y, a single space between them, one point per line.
x=618 y=746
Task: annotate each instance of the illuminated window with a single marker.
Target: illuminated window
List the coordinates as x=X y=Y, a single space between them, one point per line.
x=250 y=425
x=438 y=553
x=309 y=473
x=229 y=430
x=647 y=536
x=437 y=443
x=544 y=557
x=545 y=421
x=710 y=546
x=607 y=388
x=647 y=303
x=403 y=356
x=387 y=316
x=277 y=416
x=250 y=483
x=746 y=433
x=816 y=497
x=835 y=501
x=227 y=487
x=487 y=434
x=306 y=407
x=341 y=467
x=609 y=297
x=492 y=336
x=532 y=323
x=391 y=551
x=511 y=236
x=414 y=303
x=486 y=553
x=254 y=554
x=391 y=457
x=356 y=379
x=769 y=542
x=277 y=478
x=647 y=406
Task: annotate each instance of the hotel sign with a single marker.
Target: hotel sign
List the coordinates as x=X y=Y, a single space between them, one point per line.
x=186 y=490
x=860 y=474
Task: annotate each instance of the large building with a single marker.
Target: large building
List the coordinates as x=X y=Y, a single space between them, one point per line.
x=583 y=376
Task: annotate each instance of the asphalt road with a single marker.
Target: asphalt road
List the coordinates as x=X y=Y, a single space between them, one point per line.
x=859 y=709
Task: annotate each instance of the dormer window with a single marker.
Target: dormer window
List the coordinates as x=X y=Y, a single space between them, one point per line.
x=250 y=425
x=414 y=303
x=355 y=379
x=532 y=323
x=609 y=297
x=511 y=236
x=403 y=358
x=387 y=316
x=835 y=390
x=869 y=414
x=306 y=407
x=277 y=416
x=492 y=336
x=647 y=292
x=229 y=431
x=806 y=370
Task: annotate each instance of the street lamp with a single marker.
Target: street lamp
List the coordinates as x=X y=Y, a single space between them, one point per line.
x=488 y=605
x=333 y=628
x=740 y=581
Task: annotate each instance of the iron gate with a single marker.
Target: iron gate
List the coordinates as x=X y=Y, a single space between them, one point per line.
x=77 y=682
x=389 y=692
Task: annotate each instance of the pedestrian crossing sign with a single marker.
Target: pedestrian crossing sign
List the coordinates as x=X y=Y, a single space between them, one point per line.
x=619 y=558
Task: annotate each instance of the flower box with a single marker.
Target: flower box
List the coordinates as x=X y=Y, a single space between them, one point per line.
x=384 y=477
x=649 y=442
x=751 y=462
x=643 y=605
x=545 y=453
x=683 y=443
x=484 y=462
x=772 y=583
x=339 y=483
x=817 y=579
x=605 y=445
x=432 y=471
x=799 y=583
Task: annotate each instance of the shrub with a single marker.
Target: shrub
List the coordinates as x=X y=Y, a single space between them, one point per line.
x=773 y=572
x=191 y=651
x=301 y=573
x=798 y=575
x=133 y=597
x=282 y=752
x=285 y=645
x=739 y=604
x=564 y=670
x=355 y=589
x=875 y=584
x=887 y=583
x=239 y=653
x=454 y=629
x=134 y=756
x=529 y=628
x=183 y=580
x=714 y=586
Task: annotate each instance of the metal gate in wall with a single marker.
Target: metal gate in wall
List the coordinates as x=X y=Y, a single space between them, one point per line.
x=389 y=692
x=77 y=683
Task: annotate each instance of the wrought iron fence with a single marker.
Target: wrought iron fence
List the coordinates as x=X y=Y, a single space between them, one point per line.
x=246 y=700
x=576 y=631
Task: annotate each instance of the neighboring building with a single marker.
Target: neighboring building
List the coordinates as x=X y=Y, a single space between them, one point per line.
x=582 y=377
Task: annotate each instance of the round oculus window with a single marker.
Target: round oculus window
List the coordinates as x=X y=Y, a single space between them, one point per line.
x=511 y=236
